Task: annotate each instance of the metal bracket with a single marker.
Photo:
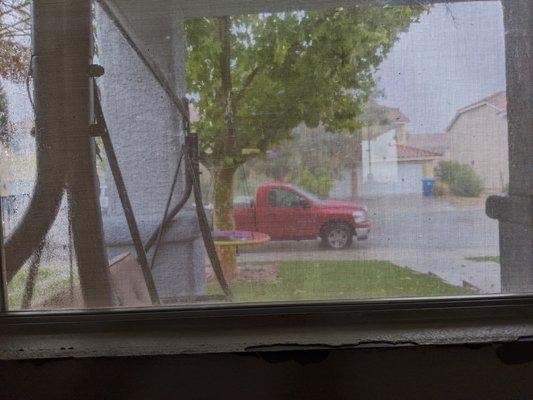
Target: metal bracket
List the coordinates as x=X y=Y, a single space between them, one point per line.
x=510 y=208
x=96 y=71
x=96 y=130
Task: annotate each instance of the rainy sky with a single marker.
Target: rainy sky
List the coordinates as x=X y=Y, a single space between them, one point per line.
x=451 y=58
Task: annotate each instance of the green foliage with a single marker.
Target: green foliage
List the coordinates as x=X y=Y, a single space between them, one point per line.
x=5 y=128
x=286 y=68
x=448 y=170
x=254 y=78
x=461 y=178
x=441 y=189
x=313 y=159
x=333 y=280
x=318 y=181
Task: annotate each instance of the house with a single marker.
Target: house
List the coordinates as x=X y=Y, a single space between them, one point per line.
x=435 y=142
x=478 y=137
x=389 y=164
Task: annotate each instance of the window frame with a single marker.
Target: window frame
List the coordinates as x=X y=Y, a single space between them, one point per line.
x=266 y=327
x=260 y=327
x=297 y=195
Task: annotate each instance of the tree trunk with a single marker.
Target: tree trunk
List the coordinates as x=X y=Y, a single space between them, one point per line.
x=223 y=216
x=353 y=182
x=5 y=132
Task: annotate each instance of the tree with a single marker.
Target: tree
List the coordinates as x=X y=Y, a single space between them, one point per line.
x=254 y=78
x=314 y=158
x=14 y=31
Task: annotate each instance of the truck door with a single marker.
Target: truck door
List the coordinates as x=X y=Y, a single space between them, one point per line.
x=283 y=217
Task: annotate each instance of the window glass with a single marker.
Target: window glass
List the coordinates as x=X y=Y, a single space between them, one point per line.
x=283 y=198
x=383 y=129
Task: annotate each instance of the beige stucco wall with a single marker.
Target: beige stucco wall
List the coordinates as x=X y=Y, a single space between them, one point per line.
x=479 y=138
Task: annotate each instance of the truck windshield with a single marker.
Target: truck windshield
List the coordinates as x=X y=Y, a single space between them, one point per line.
x=311 y=196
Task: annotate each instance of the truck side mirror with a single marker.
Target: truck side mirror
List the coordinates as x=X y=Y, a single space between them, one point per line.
x=304 y=203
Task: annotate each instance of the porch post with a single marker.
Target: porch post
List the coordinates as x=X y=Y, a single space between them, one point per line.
x=515 y=211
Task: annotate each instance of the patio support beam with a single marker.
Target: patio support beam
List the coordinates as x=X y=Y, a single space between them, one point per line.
x=81 y=180
x=515 y=211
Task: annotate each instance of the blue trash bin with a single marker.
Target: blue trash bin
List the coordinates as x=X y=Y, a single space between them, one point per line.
x=428 y=186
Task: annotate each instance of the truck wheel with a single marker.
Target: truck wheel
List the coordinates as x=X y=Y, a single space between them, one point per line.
x=337 y=236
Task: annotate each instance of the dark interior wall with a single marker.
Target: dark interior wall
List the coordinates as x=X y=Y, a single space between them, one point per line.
x=459 y=372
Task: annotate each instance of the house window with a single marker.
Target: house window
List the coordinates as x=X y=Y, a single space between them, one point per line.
x=193 y=109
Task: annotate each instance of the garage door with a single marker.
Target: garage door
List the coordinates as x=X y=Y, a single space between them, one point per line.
x=409 y=178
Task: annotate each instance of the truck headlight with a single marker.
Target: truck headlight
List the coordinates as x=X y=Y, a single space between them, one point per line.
x=359 y=216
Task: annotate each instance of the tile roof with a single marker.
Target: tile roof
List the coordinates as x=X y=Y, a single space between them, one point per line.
x=404 y=152
x=498 y=100
x=436 y=142
x=396 y=116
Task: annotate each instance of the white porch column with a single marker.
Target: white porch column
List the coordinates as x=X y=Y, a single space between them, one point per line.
x=146 y=131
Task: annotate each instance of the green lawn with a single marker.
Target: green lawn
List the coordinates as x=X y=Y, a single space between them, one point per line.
x=495 y=259
x=323 y=280
x=49 y=281
x=296 y=280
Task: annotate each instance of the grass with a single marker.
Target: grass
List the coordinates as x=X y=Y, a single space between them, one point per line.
x=49 y=281
x=495 y=259
x=328 y=280
x=296 y=280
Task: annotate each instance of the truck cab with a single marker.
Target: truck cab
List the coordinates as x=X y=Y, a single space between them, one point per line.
x=287 y=212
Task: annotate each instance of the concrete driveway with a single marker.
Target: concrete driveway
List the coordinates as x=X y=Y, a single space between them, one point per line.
x=425 y=234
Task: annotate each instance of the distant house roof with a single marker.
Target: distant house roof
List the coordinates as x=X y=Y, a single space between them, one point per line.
x=435 y=142
x=408 y=152
x=498 y=101
x=395 y=116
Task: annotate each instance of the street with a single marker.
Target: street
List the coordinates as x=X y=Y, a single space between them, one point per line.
x=428 y=235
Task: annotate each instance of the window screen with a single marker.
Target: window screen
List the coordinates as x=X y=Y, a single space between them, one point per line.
x=384 y=129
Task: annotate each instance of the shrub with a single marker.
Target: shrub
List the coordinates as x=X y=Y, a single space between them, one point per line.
x=442 y=189
x=318 y=182
x=448 y=169
x=461 y=178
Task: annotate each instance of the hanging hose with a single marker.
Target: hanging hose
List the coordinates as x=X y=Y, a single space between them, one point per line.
x=191 y=156
x=31 y=280
x=165 y=214
x=124 y=198
x=50 y=137
x=171 y=214
x=193 y=170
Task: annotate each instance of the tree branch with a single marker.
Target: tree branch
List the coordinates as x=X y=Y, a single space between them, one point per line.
x=229 y=145
x=247 y=82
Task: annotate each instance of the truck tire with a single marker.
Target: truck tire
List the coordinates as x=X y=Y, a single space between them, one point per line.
x=337 y=236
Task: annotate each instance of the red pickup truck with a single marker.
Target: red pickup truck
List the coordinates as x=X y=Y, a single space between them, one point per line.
x=287 y=212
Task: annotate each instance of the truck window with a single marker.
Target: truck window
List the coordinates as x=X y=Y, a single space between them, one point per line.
x=283 y=198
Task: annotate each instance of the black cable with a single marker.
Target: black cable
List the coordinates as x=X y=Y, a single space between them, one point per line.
x=145 y=59
x=171 y=215
x=206 y=229
x=124 y=198
x=193 y=186
x=31 y=280
x=165 y=214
